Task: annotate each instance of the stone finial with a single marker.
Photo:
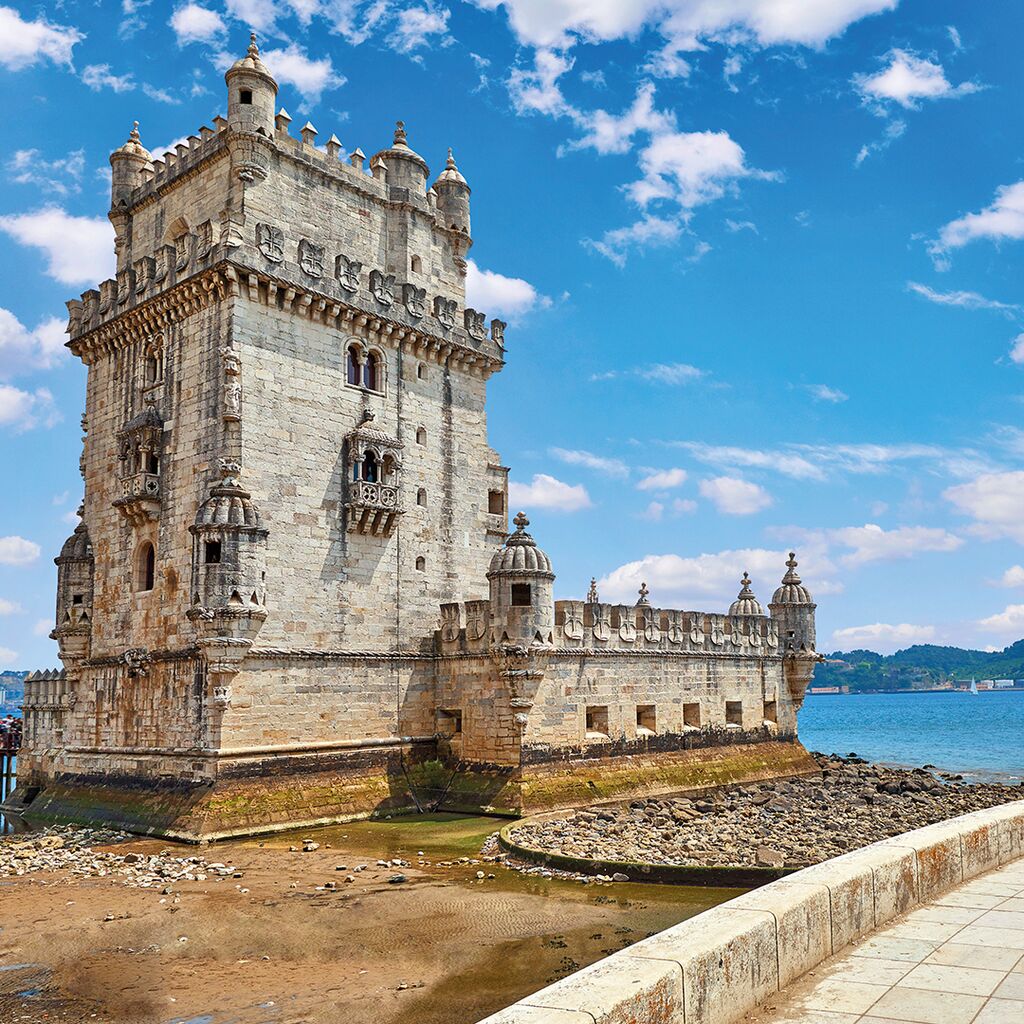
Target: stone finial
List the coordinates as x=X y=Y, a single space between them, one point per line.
x=282 y=120
x=134 y=136
x=642 y=599
x=357 y=159
x=400 y=136
x=309 y=134
x=333 y=147
x=254 y=50
x=450 y=163
x=792 y=576
x=592 y=595
x=745 y=590
x=229 y=471
x=521 y=522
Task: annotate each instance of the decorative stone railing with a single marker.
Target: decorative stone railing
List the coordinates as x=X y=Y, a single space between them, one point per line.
x=720 y=965
x=372 y=507
x=140 y=497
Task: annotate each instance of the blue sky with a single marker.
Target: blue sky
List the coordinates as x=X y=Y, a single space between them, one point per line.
x=763 y=263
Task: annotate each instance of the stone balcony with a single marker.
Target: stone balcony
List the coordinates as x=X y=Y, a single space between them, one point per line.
x=373 y=508
x=140 y=497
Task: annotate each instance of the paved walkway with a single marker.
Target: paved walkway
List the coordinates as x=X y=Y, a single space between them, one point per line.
x=956 y=960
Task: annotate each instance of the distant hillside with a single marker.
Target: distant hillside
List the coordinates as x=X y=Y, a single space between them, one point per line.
x=13 y=685
x=919 y=666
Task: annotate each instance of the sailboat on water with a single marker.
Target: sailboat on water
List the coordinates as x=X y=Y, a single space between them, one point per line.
x=974 y=688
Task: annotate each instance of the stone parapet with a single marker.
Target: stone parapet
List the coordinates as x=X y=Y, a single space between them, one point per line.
x=718 y=966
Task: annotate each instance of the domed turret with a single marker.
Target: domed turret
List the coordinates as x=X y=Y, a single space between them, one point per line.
x=746 y=603
x=453 y=197
x=404 y=167
x=252 y=93
x=522 y=605
x=74 y=593
x=793 y=608
x=127 y=163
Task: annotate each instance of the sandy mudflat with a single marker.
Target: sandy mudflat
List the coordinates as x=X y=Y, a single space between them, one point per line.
x=441 y=947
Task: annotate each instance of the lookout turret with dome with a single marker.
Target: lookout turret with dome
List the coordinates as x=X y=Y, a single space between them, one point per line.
x=793 y=608
x=746 y=603
x=520 y=577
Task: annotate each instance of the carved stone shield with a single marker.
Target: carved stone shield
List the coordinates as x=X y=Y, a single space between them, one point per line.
x=347 y=273
x=415 y=300
x=696 y=634
x=270 y=241
x=382 y=287
x=311 y=258
x=477 y=619
x=627 y=627
x=572 y=627
x=602 y=622
x=475 y=324
x=676 y=633
x=450 y=614
x=183 y=250
x=445 y=311
x=204 y=238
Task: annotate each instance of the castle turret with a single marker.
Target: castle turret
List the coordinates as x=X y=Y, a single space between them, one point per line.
x=74 y=596
x=403 y=167
x=522 y=605
x=792 y=609
x=127 y=163
x=453 y=197
x=746 y=603
x=252 y=93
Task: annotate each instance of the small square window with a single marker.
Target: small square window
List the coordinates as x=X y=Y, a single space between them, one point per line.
x=450 y=721
x=691 y=716
x=245 y=96
x=213 y=552
x=77 y=598
x=521 y=597
x=771 y=711
x=646 y=720
x=597 y=722
x=496 y=503
x=734 y=714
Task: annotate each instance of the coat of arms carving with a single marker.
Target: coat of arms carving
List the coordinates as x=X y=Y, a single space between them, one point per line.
x=627 y=625
x=164 y=260
x=382 y=287
x=477 y=619
x=676 y=633
x=270 y=241
x=445 y=311
x=572 y=627
x=204 y=238
x=347 y=273
x=415 y=300
x=450 y=622
x=183 y=250
x=475 y=324
x=602 y=622
x=311 y=257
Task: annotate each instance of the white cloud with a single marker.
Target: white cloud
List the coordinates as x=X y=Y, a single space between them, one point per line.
x=257 y=14
x=536 y=89
x=686 y=24
x=670 y=373
x=499 y=295
x=61 y=176
x=79 y=250
x=1017 y=349
x=882 y=637
x=710 y=581
x=1009 y=623
x=1002 y=220
x=416 y=26
x=159 y=95
x=909 y=78
x=691 y=168
x=735 y=497
x=611 y=467
x=24 y=410
x=42 y=627
x=894 y=130
x=994 y=501
x=870 y=543
x=22 y=350
x=683 y=506
x=608 y=133
x=823 y=393
x=545 y=491
x=662 y=480
x=965 y=300
x=195 y=24
x=1013 y=577
x=653 y=512
x=292 y=66
x=9 y=607
x=648 y=232
x=7 y=656
x=24 y=43
x=741 y=225
x=787 y=463
x=18 y=551
x=99 y=76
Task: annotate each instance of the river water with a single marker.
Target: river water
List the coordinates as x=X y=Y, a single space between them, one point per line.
x=981 y=737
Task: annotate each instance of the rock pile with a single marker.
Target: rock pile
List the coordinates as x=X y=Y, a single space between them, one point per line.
x=773 y=824
x=70 y=851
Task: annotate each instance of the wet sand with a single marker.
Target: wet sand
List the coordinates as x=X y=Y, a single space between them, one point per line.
x=442 y=947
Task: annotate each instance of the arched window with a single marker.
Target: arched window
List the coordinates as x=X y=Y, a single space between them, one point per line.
x=416 y=264
x=421 y=497
x=370 y=469
x=371 y=372
x=151 y=370
x=353 y=365
x=145 y=567
x=388 y=468
x=153 y=464
x=421 y=564
x=421 y=435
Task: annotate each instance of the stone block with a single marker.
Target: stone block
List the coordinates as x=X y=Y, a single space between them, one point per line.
x=939 y=859
x=851 y=885
x=621 y=989
x=729 y=960
x=980 y=841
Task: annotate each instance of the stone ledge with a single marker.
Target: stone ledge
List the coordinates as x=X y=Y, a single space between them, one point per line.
x=737 y=955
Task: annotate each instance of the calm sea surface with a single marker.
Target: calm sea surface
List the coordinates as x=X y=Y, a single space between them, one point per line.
x=981 y=737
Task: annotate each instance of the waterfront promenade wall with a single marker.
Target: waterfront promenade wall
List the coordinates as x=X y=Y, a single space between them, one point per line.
x=720 y=965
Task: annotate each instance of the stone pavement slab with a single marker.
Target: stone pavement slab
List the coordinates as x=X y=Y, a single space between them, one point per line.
x=957 y=959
